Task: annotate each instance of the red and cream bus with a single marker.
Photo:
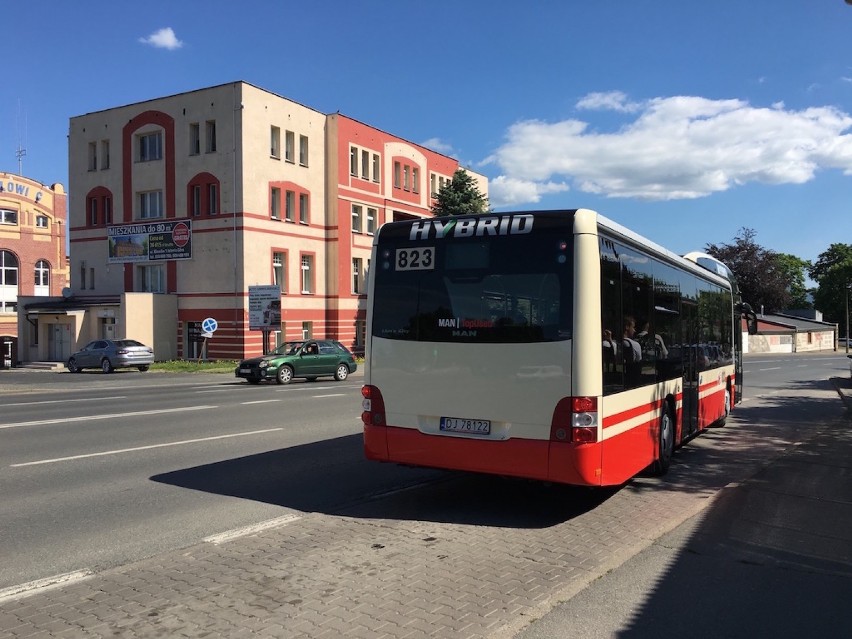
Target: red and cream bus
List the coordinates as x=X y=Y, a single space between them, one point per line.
x=550 y=345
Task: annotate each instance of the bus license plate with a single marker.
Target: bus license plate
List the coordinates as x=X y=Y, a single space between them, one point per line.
x=470 y=426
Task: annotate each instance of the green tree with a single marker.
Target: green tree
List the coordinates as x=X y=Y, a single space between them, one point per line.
x=794 y=269
x=833 y=274
x=460 y=196
x=759 y=271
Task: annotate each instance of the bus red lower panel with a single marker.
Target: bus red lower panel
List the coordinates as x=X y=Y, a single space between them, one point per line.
x=629 y=453
x=530 y=459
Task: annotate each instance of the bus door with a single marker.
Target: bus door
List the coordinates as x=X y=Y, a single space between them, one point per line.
x=691 y=354
x=691 y=367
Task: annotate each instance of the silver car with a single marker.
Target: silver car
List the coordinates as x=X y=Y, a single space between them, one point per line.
x=109 y=354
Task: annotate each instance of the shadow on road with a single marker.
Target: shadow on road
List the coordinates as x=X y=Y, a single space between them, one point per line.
x=333 y=477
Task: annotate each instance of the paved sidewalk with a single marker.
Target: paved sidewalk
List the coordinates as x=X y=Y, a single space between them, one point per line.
x=771 y=557
x=363 y=573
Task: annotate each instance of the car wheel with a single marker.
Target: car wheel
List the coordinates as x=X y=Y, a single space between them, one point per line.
x=142 y=369
x=666 y=443
x=72 y=366
x=341 y=373
x=285 y=375
x=106 y=366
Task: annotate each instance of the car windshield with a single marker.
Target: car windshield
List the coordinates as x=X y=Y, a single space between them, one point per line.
x=288 y=348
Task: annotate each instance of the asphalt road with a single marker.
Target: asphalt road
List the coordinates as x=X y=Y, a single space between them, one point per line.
x=94 y=469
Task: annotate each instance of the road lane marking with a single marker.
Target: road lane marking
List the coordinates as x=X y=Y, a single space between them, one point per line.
x=87 y=418
x=332 y=395
x=259 y=401
x=138 y=448
x=776 y=368
x=40 y=585
x=236 y=533
x=67 y=401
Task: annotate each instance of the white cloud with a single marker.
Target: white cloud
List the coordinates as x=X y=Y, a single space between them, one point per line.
x=678 y=147
x=506 y=191
x=163 y=39
x=436 y=144
x=611 y=101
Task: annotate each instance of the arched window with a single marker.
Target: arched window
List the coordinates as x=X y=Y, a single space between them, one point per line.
x=202 y=195
x=42 y=278
x=8 y=282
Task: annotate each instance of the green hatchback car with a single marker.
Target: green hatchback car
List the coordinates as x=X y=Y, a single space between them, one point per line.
x=308 y=359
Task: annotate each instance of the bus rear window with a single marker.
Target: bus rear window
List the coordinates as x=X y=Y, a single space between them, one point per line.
x=513 y=289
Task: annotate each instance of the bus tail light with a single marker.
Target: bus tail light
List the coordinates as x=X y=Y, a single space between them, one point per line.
x=373 y=405
x=575 y=419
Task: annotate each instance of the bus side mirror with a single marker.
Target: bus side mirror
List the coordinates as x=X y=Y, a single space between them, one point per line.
x=750 y=316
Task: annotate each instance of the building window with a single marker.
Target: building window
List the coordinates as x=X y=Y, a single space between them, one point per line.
x=307 y=274
x=397 y=175
x=289 y=146
x=194 y=139
x=353 y=161
x=307 y=330
x=82 y=276
x=377 y=164
x=365 y=165
x=372 y=214
x=357 y=218
x=275 y=203
x=195 y=205
x=104 y=155
x=151 y=279
x=41 y=221
x=8 y=282
x=151 y=146
x=275 y=142
x=150 y=205
x=92 y=278
x=7 y=216
x=289 y=206
x=211 y=136
x=213 y=199
x=303 y=150
x=93 y=156
x=42 y=273
x=304 y=208
x=93 y=211
x=279 y=270
x=415 y=179
x=357 y=276
x=405 y=182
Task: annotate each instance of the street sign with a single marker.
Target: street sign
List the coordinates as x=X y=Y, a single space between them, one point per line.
x=209 y=325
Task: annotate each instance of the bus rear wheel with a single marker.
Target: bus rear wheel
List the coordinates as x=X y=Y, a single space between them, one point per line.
x=666 y=443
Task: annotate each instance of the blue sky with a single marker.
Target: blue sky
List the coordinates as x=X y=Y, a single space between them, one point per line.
x=685 y=121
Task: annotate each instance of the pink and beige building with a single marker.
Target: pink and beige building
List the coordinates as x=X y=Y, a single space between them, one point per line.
x=33 y=262
x=178 y=205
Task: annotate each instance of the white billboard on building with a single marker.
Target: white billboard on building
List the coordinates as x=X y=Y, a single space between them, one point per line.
x=265 y=307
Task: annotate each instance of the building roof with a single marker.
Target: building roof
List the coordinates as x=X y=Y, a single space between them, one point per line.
x=65 y=304
x=779 y=322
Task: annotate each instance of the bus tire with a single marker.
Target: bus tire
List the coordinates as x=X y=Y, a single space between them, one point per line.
x=724 y=419
x=665 y=443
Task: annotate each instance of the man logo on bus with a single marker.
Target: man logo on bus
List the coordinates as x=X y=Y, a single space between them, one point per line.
x=472 y=227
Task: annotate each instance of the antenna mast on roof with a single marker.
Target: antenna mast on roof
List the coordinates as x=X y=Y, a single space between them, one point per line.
x=21 y=151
